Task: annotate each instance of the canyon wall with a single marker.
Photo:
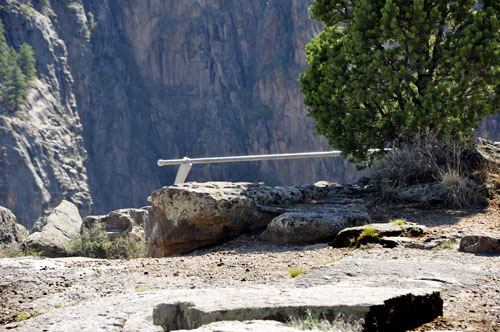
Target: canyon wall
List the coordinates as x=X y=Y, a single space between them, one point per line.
x=122 y=83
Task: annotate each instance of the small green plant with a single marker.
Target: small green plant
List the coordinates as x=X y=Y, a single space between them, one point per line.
x=127 y=247
x=448 y=244
x=21 y=316
x=140 y=290
x=388 y=191
x=295 y=271
x=309 y=322
x=27 y=10
x=93 y=242
x=57 y=305
x=369 y=233
x=399 y=222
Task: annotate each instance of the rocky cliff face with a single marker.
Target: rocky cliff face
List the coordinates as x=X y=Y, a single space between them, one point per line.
x=124 y=83
x=42 y=152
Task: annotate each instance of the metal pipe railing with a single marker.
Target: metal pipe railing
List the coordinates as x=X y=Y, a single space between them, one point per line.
x=186 y=163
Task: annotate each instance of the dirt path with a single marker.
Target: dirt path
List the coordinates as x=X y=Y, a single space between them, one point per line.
x=34 y=286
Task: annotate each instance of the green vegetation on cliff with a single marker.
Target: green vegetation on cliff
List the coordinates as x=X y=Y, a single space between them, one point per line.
x=17 y=70
x=386 y=69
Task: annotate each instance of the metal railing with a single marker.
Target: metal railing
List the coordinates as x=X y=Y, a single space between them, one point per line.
x=186 y=163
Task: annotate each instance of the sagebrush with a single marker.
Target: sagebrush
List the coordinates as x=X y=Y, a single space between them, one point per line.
x=94 y=242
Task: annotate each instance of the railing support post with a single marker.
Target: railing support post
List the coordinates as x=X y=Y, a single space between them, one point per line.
x=183 y=171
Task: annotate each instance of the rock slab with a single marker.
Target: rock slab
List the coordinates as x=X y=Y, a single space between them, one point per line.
x=62 y=225
x=312 y=227
x=10 y=230
x=480 y=244
x=382 y=308
x=354 y=236
x=129 y=222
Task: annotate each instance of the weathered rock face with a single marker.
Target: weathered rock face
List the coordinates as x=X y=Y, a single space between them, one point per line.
x=63 y=224
x=192 y=215
x=10 y=230
x=130 y=222
x=480 y=244
x=311 y=227
x=126 y=82
x=42 y=152
x=381 y=308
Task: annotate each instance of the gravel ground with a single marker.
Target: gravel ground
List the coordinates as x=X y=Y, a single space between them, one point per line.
x=31 y=286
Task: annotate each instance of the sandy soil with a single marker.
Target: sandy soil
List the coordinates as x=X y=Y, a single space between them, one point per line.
x=30 y=286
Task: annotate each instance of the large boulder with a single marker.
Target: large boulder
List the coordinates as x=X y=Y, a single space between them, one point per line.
x=312 y=227
x=123 y=222
x=61 y=227
x=10 y=230
x=193 y=215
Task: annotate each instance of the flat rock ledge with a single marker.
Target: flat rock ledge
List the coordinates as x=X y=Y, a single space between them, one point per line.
x=382 y=233
x=381 y=308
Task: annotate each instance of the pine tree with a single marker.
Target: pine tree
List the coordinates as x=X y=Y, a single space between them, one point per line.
x=27 y=62
x=382 y=69
x=14 y=93
x=4 y=53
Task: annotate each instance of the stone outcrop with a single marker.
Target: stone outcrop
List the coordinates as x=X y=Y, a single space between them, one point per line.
x=10 y=230
x=123 y=222
x=382 y=308
x=192 y=215
x=62 y=225
x=375 y=233
x=480 y=244
x=312 y=227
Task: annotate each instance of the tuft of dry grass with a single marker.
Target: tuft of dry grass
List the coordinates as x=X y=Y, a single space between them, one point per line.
x=457 y=190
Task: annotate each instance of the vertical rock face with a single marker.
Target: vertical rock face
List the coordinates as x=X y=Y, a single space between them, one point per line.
x=196 y=78
x=124 y=83
x=42 y=153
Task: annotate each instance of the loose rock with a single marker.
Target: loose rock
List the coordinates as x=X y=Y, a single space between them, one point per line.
x=131 y=222
x=480 y=244
x=373 y=233
x=62 y=225
x=10 y=230
x=312 y=227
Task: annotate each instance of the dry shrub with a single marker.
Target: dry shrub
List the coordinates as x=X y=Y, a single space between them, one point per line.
x=456 y=166
x=459 y=191
x=419 y=159
x=94 y=242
